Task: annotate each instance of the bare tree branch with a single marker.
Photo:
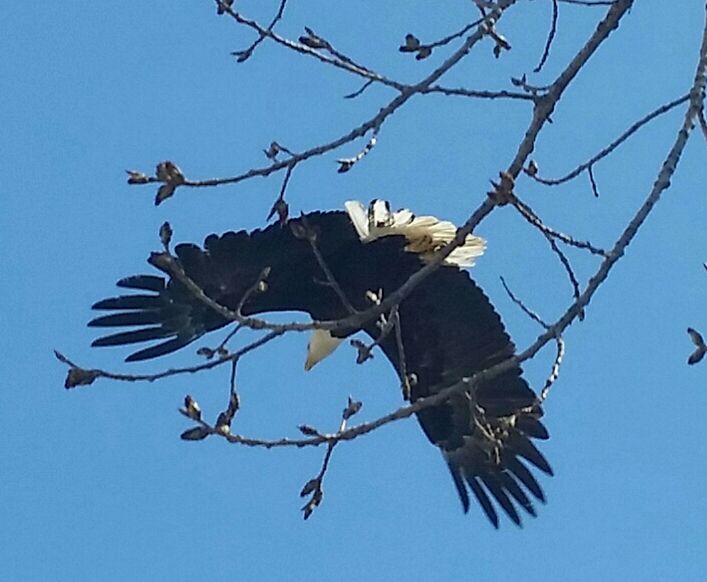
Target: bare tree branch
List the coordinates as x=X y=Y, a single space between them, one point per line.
x=588 y=165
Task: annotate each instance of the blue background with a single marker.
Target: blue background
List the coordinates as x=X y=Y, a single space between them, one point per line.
x=95 y=483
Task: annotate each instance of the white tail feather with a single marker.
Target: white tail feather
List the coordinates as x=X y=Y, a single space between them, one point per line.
x=425 y=234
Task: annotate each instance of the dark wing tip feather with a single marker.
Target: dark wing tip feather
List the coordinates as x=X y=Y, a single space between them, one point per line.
x=143 y=282
x=130 y=302
x=459 y=484
x=509 y=484
x=483 y=500
x=493 y=485
x=524 y=447
x=160 y=349
x=523 y=474
x=127 y=319
x=532 y=427
x=132 y=337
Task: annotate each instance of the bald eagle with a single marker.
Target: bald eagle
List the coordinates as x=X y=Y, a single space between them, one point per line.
x=448 y=329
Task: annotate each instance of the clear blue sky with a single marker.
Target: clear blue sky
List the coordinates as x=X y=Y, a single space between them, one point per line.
x=95 y=483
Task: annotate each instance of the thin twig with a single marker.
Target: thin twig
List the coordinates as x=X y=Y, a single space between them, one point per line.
x=331 y=280
x=529 y=312
x=173 y=371
x=346 y=63
x=592 y=181
x=613 y=145
x=244 y=55
x=447 y=39
x=565 y=263
x=530 y=215
x=360 y=91
x=406 y=92
x=550 y=37
x=404 y=377
x=555 y=370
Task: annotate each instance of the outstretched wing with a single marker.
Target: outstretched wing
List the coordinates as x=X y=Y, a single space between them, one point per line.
x=225 y=269
x=449 y=330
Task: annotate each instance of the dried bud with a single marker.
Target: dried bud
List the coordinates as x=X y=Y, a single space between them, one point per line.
x=374 y=297
x=169 y=172
x=345 y=165
x=313 y=503
x=208 y=353
x=166 y=234
x=312 y=40
x=307 y=430
x=165 y=191
x=223 y=5
x=700 y=347
x=191 y=407
x=273 y=150
x=223 y=426
x=519 y=82
x=412 y=44
x=352 y=408
x=423 y=53
x=310 y=486
x=282 y=210
x=80 y=377
x=137 y=177
x=195 y=434
x=363 y=351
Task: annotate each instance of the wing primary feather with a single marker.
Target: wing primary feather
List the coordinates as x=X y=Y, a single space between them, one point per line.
x=130 y=302
x=532 y=427
x=130 y=318
x=521 y=472
x=510 y=485
x=133 y=337
x=160 y=349
x=461 y=487
x=494 y=486
x=142 y=282
x=522 y=446
x=483 y=500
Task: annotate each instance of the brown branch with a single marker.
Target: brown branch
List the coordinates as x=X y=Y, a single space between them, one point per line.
x=543 y=108
x=344 y=63
x=545 y=104
x=461 y=92
x=96 y=373
x=554 y=331
x=406 y=92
